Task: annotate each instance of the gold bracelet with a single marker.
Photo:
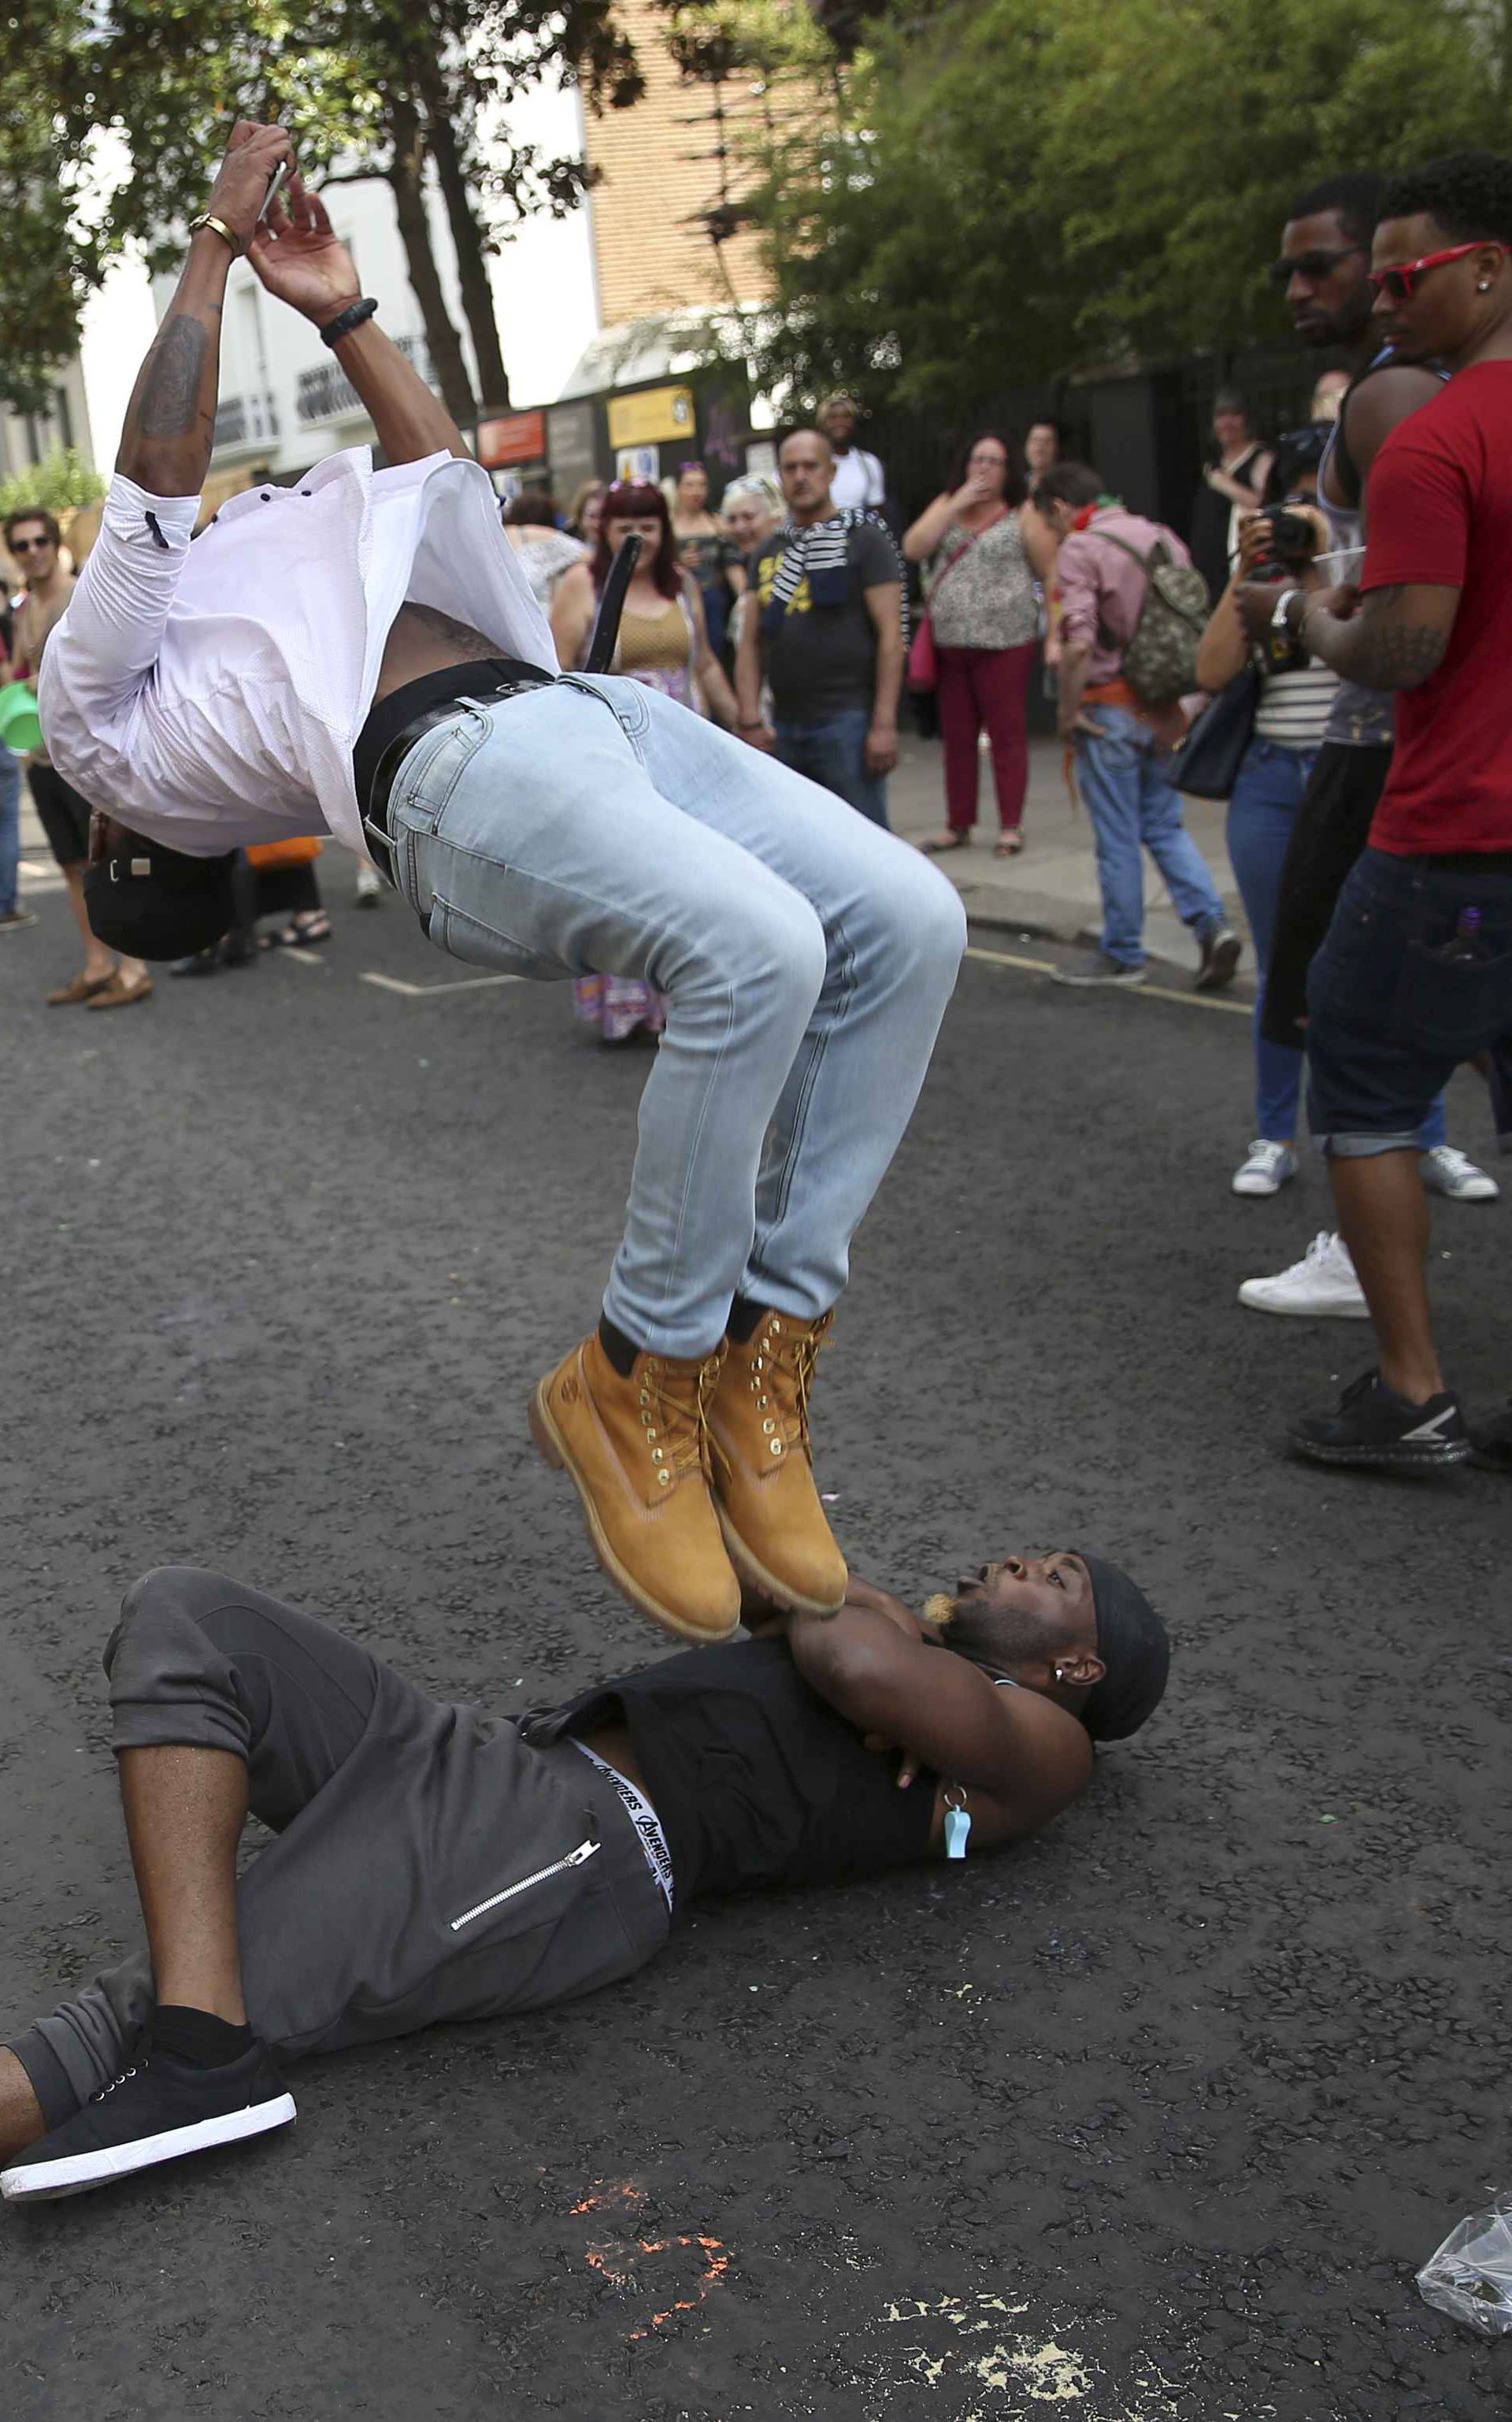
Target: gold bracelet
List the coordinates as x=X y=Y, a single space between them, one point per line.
x=208 y=219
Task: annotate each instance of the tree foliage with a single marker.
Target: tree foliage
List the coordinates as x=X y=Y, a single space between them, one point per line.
x=1009 y=189
x=379 y=86
x=62 y=481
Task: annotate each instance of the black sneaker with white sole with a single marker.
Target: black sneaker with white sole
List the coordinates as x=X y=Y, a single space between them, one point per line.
x=1377 y=1428
x=158 y=2111
x=1220 y=947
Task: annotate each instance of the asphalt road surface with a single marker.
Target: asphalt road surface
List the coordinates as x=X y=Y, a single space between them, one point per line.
x=1150 y=2121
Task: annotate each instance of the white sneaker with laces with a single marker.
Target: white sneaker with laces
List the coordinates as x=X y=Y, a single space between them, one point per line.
x=1266 y=1168
x=1321 y=1286
x=1446 y=1170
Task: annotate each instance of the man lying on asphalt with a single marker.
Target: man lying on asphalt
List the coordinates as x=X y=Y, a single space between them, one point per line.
x=361 y=654
x=433 y=1863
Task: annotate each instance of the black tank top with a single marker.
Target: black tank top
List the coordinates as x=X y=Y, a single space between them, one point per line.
x=756 y=1780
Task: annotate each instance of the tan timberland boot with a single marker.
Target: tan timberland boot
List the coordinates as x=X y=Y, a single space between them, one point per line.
x=636 y=1450
x=773 y=1525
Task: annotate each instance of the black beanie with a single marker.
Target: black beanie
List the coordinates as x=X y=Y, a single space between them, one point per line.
x=1132 y=1644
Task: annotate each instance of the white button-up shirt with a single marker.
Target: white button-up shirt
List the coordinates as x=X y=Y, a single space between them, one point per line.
x=208 y=695
x=858 y=480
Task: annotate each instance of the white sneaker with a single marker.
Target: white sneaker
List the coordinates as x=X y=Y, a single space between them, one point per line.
x=1321 y=1286
x=370 y=886
x=1265 y=1169
x=1448 y=1172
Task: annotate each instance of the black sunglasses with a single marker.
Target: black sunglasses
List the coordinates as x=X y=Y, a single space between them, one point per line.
x=1313 y=266
x=28 y=546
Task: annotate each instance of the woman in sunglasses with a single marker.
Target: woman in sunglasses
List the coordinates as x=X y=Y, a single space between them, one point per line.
x=107 y=979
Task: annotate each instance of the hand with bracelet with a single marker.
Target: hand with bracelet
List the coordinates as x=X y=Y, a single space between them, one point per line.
x=241 y=188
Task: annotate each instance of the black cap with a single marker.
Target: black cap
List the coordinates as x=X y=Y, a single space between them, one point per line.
x=154 y=902
x=1132 y=1644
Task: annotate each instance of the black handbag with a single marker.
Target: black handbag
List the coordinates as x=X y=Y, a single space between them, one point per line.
x=1206 y=765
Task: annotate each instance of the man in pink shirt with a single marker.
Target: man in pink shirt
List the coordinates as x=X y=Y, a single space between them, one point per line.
x=1118 y=738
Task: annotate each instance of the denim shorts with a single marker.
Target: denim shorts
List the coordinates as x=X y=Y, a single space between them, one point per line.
x=1390 y=1016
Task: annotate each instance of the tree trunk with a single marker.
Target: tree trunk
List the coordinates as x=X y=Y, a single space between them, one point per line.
x=472 y=258
x=408 y=177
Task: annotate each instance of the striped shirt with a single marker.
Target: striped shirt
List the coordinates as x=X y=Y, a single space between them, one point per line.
x=1295 y=707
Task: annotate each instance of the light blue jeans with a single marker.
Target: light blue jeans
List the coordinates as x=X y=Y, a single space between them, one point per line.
x=10 y=830
x=597 y=827
x=1132 y=803
x=1267 y=791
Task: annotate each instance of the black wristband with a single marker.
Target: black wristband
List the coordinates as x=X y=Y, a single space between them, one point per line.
x=352 y=317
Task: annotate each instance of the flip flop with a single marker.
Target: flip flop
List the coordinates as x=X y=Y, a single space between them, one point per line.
x=80 y=987
x=299 y=937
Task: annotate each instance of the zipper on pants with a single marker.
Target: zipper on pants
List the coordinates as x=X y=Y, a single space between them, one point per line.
x=577 y=1858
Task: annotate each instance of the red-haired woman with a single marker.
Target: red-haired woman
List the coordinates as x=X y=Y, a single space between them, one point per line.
x=663 y=641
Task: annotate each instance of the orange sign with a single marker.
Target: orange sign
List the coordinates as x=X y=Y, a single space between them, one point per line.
x=521 y=438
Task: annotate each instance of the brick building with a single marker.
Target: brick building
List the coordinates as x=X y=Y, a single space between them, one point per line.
x=651 y=251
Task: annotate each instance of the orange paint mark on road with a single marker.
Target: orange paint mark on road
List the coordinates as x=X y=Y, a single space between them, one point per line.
x=608 y=2259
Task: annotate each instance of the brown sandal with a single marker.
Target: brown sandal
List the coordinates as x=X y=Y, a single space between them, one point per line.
x=942 y=842
x=1010 y=843
x=79 y=988
x=118 y=994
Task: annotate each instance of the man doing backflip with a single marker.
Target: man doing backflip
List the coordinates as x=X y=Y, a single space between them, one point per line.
x=360 y=653
x=433 y=1863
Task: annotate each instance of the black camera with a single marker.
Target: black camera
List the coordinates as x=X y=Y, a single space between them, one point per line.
x=1289 y=542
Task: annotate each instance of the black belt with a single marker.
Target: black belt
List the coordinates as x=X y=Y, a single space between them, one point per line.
x=445 y=710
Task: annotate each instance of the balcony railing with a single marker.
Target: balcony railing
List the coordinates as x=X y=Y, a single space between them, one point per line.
x=246 y=420
x=324 y=393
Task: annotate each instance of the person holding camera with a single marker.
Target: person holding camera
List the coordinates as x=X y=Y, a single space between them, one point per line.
x=1293 y=697
x=1414 y=976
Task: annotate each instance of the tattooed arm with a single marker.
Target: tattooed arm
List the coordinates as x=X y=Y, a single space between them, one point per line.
x=1394 y=641
x=170 y=422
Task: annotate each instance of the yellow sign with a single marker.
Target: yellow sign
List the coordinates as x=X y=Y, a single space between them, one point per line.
x=658 y=413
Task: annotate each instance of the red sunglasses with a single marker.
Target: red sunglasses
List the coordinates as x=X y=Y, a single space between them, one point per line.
x=1398 y=283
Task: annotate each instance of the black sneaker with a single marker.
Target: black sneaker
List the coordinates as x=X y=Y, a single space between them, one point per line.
x=1102 y=970
x=1220 y=947
x=160 y=2110
x=1492 y=1443
x=1376 y=1426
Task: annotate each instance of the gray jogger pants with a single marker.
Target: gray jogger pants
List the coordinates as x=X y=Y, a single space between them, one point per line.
x=429 y=1864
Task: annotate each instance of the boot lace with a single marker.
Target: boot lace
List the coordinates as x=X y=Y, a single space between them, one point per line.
x=781 y=1378
x=674 y=1415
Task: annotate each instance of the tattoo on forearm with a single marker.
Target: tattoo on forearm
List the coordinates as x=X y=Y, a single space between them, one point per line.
x=1391 y=656
x=169 y=404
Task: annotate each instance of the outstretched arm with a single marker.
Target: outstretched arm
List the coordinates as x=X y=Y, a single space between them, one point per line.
x=299 y=258
x=170 y=421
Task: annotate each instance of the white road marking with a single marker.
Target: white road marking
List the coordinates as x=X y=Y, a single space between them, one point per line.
x=1149 y=991
x=428 y=992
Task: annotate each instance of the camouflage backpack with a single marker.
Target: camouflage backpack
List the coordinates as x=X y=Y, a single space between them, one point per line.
x=1160 y=657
